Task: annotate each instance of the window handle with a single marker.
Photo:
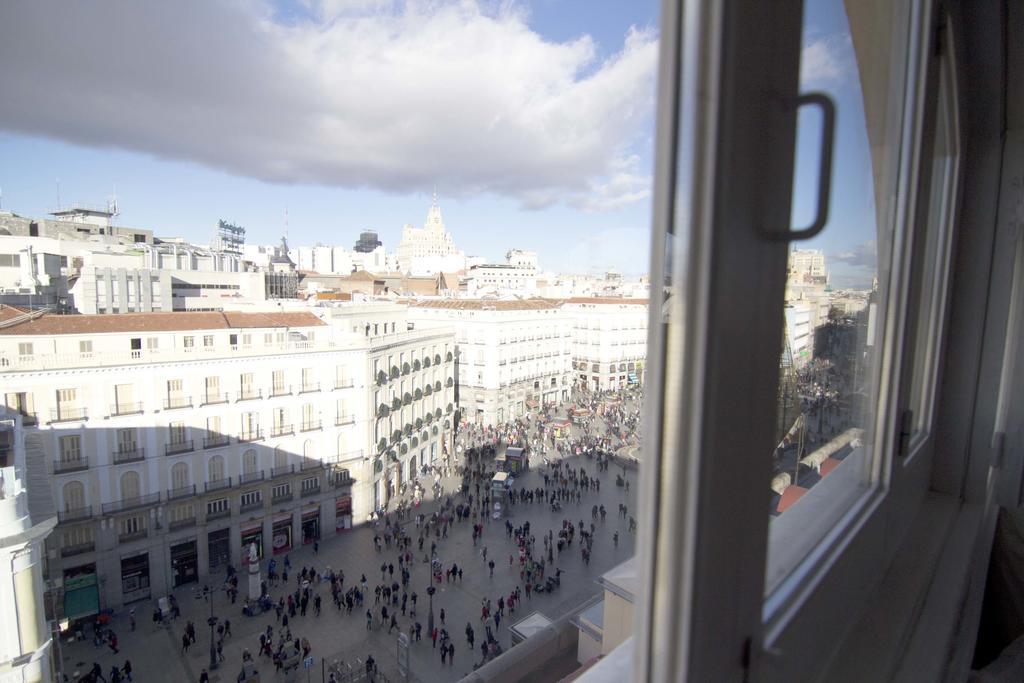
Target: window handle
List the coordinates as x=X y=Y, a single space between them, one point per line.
x=828 y=114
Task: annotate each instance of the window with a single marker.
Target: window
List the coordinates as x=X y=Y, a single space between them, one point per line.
x=130 y=487
x=179 y=475
x=132 y=526
x=189 y=342
x=124 y=399
x=21 y=402
x=250 y=426
x=310 y=484
x=70 y=448
x=73 y=494
x=249 y=462
x=85 y=346
x=280 y=491
x=277 y=382
x=215 y=469
x=251 y=498
x=246 y=383
x=126 y=441
x=218 y=506
x=177 y=431
x=152 y=343
x=208 y=341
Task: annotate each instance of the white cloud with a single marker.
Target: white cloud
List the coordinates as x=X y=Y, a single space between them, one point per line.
x=372 y=93
x=825 y=60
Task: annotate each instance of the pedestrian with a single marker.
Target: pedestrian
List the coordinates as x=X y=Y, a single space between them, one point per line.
x=442 y=616
x=451 y=654
x=369 y=620
x=185 y=642
x=316 y=547
x=127 y=669
x=490 y=565
x=433 y=637
x=204 y=677
x=113 y=642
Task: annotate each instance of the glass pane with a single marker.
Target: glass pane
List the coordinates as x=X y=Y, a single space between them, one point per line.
x=934 y=261
x=838 y=281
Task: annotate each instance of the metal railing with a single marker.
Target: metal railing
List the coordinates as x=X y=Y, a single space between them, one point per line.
x=121 y=457
x=282 y=471
x=176 y=447
x=215 y=399
x=68 y=414
x=131 y=503
x=280 y=391
x=342 y=420
x=181 y=492
x=344 y=383
x=282 y=430
x=77 y=549
x=175 y=402
x=75 y=514
x=309 y=388
x=311 y=464
x=311 y=490
x=247 y=437
x=249 y=477
x=310 y=426
x=218 y=484
x=215 y=441
x=282 y=497
x=250 y=395
x=247 y=507
x=119 y=409
x=217 y=514
x=182 y=523
x=76 y=465
x=339 y=478
x=132 y=536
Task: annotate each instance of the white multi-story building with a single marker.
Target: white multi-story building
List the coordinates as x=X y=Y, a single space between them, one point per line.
x=512 y=355
x=807 y=266
x=609 y=341
x=430 y=249
x=800 y=332
x=27 y=516
x=177 y=439
x=501 y=279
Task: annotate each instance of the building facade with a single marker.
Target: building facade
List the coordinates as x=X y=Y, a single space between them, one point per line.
x=430 y=249
x=609 y=341
x=511 y=355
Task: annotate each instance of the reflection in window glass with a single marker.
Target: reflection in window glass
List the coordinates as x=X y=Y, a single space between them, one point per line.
x=837 y=281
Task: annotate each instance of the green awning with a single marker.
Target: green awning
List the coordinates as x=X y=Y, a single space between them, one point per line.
x=81 y=597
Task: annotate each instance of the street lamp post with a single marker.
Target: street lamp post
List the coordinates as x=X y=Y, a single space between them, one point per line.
x=430 y=597
x=212 y=621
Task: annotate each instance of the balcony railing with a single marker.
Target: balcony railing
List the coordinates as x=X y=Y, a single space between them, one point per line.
x=69 y=414
x=309 y=388
x=344 y=457
x=282 y=496
x=218 y=484
x=181 y=492
x=342 y=420
x=252 y=435
x=182 y=523
x=247 y=507
x=249 y=477
x=311 y=464
x=75 y=514
x=77 y=549
x=282 y=430
x=215 y=398
x=340 y=478
x=175 y=402
x=311 y=490
x=76 y=465
x=215 y=441
x=250 y=395
x=131 y=503
x=280 y=391
x=119 y=409
x=344 y=383
x=281 y=471
x=128 y=537
x=217 y=514
x=310 y=426
x=176 y=447
x=126 y=455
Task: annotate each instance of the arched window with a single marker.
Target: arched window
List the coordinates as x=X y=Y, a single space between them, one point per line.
x=249 y=462
x=280 y=457
x=309 y=450
x=130 y=487
x=215 y=468
x=74 y=496
x=179 y=475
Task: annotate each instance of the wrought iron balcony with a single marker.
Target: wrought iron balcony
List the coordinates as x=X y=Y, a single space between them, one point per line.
x=126 y=455
x=280 y=391
x=76 y=465
x=281 y=471
x=215 y=441
x=131 y=503
x=250 y=477
x=177 y=447
x=218 y=484
x=69 y=414
x=249 y=394
x=215 y=399
x=311 y=426
x=309 y=388
x=120 y=409
x=75 y=514
x=181 y=492
x=176 y=402
x=342 y=420
x=251 y=435
x=282 y=430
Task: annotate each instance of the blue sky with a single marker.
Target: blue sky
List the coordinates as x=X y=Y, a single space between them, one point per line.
x=533 y=120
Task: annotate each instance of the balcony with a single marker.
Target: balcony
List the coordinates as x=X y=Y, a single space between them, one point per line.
x=131 y=503
x=281 y=497
x=282 y=471
x=308 y=491
x=250 y=436
x=122 y=409
x=215 y=441
x=282 y=430
x=215 y=399
x=311 y=464
x=280 y=391
x=309 y=388
x=128 y=537
x=68 y=415
x=249 y=507
x=123 y=456
x=250 y=477
x=77 y=549
x=217 y=484
x=178 y=447
x=249 y=394
x=176 y=402
x=217 y=514
x=344 y=383
x=342 y=420
x=76 y=465
x=74 y=515
x=340 y=478
x=182 y=523
x=310 y=426
x=181 y=492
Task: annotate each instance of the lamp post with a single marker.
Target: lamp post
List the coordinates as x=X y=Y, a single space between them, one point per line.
x=430 y=596
x=212 y=621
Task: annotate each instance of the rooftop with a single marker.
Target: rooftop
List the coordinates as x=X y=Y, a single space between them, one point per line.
x=487 y=304
x=605 y=300
x=14 y=321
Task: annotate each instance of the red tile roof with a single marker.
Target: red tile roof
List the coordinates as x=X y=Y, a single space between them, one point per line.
x=52 y=323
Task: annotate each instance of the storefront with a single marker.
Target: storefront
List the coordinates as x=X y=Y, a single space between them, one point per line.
x=311 y=524
x=282 y=533
x=184 y=563
x=342 y=513
x=252 y=533
x=135 y=577
x=218 y=547
x=81 y=592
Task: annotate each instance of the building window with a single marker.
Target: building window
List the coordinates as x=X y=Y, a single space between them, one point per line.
x=251 y=498
x=208 y=341
x=310 y=484
x=218 y=506
x=85 y=346
x=70 y=448
x=189 y=342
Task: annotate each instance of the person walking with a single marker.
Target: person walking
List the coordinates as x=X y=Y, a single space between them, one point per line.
x=442 y=616
x=127 y=669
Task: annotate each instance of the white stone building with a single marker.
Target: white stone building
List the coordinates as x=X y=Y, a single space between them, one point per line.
x=800 y=332
x=430 y=249
x=176 y=439
x=609 y=341
x=512 y=355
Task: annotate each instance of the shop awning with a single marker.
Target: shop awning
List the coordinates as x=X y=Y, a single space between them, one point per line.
x=81 y=597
